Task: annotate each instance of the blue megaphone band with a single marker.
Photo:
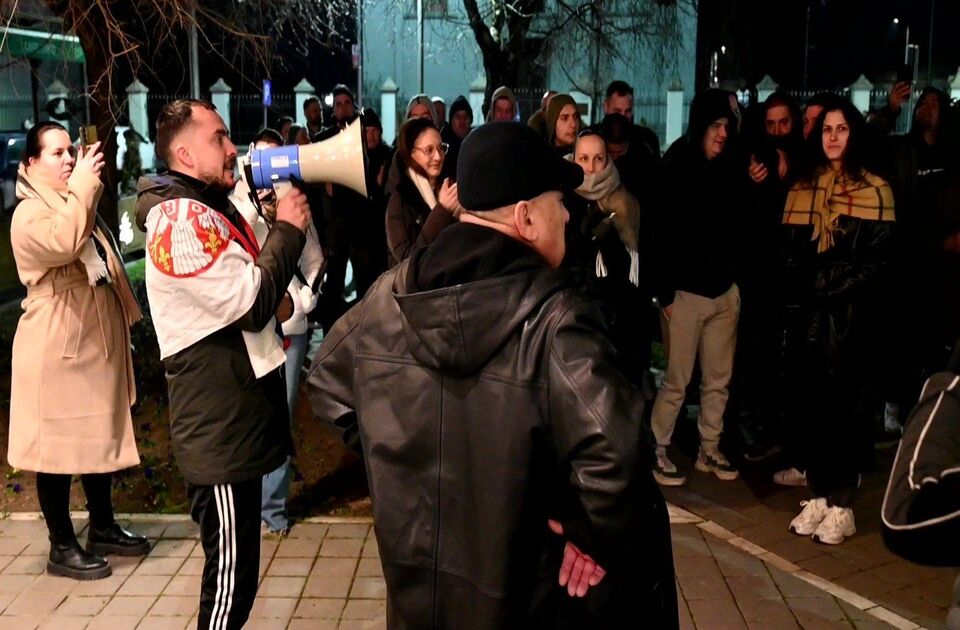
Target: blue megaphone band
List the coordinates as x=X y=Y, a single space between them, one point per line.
x=278 y=164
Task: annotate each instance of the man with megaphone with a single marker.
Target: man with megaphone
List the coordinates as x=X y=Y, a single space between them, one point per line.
x=213 y=293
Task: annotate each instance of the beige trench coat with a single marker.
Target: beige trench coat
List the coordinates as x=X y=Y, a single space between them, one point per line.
x=72 y=383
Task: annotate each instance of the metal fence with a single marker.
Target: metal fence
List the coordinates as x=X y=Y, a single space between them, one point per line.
x=247 y=114
x=13 y=111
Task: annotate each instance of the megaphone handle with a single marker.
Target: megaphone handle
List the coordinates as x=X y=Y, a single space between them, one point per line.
x=281 y=189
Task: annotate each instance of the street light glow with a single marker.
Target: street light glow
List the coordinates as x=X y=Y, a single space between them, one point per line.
x=896 y=20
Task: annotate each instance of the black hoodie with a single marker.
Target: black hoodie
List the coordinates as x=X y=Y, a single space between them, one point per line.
x=701 y=210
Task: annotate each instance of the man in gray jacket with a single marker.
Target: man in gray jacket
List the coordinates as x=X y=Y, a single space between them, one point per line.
x=480 y=386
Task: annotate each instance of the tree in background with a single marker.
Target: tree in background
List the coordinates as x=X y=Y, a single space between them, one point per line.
x=123 y=40
x=511 y=33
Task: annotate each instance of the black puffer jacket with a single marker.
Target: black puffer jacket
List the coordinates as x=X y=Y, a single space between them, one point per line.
x=480 y=386
x=226 y=425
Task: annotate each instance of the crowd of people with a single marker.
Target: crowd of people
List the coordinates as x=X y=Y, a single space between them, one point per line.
x=794 y=261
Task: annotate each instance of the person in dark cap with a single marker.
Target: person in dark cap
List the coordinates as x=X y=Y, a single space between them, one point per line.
x=501 y=444
x=453 y=133
x=701 y=241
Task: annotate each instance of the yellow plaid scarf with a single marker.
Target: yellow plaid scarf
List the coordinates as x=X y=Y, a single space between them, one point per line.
x=822 y=202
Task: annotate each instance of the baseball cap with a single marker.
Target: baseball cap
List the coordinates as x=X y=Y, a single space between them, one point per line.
x=502 y=163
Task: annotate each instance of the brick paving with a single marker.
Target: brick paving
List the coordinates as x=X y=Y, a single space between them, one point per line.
x=759 y=512
x=328 y=575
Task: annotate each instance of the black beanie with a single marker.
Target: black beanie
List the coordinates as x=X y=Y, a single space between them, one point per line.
x=502 y=163
x=458 y=105
x=370 y=119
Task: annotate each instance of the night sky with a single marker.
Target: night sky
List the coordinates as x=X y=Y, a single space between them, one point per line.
x=847 y=38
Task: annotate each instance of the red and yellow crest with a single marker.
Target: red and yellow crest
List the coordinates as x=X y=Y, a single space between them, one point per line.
x=188 y=237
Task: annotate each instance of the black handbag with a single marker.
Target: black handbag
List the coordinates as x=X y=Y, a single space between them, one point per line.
x=921 y=507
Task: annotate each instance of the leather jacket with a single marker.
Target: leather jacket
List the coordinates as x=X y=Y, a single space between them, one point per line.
x=476 y=406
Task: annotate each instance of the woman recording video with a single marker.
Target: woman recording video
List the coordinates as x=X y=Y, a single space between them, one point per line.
x=72 y=381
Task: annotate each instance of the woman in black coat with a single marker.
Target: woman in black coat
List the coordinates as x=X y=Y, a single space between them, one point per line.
x=840 y=216
x=421 y=206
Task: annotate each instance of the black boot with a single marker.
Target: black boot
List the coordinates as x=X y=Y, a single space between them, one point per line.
x=70 y=560
x=116 y=540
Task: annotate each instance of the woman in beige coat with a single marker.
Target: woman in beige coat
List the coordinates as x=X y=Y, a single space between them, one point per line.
x=72 y=379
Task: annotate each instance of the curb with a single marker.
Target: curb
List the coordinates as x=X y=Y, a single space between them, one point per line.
x=857 y=601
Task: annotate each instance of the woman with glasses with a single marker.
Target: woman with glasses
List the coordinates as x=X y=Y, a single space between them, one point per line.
x=422 y=205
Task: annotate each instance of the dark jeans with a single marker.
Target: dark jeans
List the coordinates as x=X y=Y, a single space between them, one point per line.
x=53 y=491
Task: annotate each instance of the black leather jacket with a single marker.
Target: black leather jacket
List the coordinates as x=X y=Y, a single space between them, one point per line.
x=476 y=405
x=831 y=293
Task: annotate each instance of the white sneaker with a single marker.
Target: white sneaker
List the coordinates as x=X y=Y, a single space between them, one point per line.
x=664 y=472
x=790 y=477
x=809 y=519
x=836 y=525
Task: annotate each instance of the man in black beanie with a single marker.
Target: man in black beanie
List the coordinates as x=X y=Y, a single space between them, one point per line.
x=501 y=444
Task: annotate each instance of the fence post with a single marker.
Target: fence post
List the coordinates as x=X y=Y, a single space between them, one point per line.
x=674 y=127
x=220 y=97
x=137 y=108
x=860 y=94
x=388 y=110
x=477 y=90
x=302 y=91
x=955 y=86
x=583 y=99
x=766 y=87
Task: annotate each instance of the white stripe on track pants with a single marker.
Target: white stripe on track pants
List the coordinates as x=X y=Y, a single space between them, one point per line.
x=229 y=519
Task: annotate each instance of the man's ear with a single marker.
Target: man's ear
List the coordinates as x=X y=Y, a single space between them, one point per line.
x=183 y=156
x=523 y=220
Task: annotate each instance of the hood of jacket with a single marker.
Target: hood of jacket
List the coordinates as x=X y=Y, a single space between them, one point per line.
x=708 y=106
x=465 y=295
x=502 y=92
x=173 y=185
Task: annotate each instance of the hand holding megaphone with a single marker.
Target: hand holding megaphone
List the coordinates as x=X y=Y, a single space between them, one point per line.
x=340 y=159
x=294 y=209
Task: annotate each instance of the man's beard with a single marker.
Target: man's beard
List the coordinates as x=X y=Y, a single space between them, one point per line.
x=217 y=182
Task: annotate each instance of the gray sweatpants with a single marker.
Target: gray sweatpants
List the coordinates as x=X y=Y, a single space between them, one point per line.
x=707 y=328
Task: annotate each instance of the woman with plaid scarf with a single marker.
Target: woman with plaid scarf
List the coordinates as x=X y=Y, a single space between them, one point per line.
x=845 y=213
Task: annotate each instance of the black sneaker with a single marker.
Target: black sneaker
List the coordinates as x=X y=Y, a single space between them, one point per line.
x=760 y=452
x=116 y=540
x=73 y=562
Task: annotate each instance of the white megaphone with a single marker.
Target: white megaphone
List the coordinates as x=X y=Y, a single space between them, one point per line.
x=340 y=159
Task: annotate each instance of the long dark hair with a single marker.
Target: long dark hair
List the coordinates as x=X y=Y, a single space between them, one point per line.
x=34 y=144
x=856 y=152
x=409 y=132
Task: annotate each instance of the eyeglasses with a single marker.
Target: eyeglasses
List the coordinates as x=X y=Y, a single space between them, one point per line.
x=443 y=147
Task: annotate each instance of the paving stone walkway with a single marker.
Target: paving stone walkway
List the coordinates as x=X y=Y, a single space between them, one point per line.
x=756 y=511
x=327 y=575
